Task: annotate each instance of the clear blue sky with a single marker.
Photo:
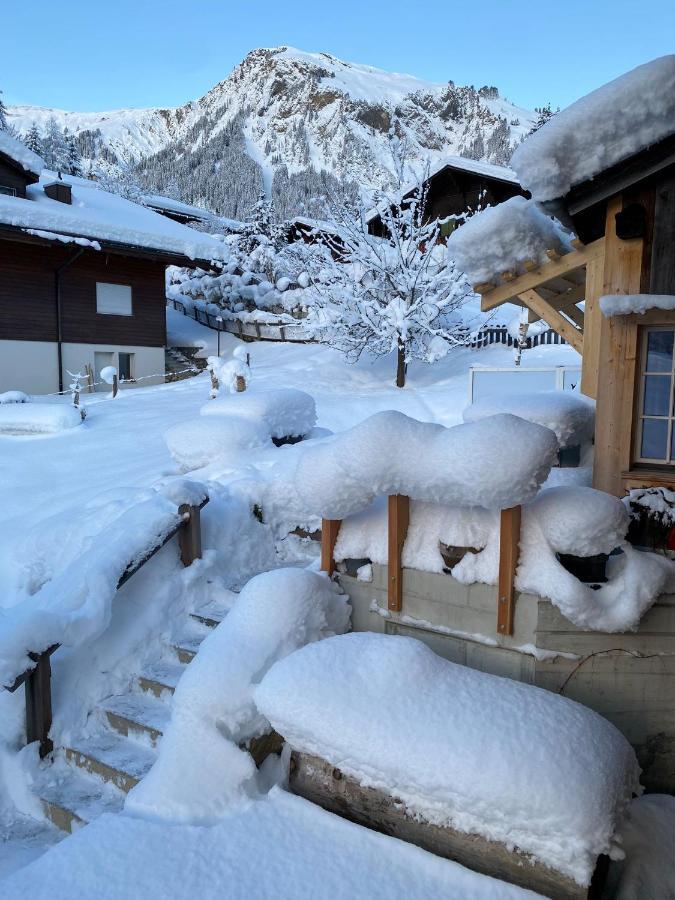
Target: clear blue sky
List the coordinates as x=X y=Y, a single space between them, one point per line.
x=93 y=56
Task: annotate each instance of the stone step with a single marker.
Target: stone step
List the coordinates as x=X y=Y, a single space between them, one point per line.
x=161 y=678
x=72 y=798
x=187 y=644
x=116 y=759
x=134 y=714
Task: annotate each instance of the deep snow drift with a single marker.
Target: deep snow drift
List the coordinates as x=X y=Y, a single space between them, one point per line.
x=506 y=760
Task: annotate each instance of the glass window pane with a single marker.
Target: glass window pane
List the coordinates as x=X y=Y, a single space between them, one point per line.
x=654 y=438
x=657 y=395
x=659 y=351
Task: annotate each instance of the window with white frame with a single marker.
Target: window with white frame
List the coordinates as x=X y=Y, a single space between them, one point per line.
x=654 y=439
x=113 y=299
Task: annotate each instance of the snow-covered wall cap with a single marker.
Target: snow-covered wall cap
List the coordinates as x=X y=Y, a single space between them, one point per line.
x=471 y=763
x=17 y=151
x=496 y=463
x=97 y=214
x=502 y=238
x=569 y=415
x=625 y=304
x=601 y=129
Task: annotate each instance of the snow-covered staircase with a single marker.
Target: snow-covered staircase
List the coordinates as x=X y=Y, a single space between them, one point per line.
x=94 y=773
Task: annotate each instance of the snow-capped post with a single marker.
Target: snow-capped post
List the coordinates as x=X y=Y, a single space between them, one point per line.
x=330 y=529
x=509 y=544
x=75 y=387
x=109 y=376
x=398 y=292
x=398 y=521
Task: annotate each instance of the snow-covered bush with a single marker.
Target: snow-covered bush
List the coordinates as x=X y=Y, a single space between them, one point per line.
x=13 y=397
x=283 y=413
x=471 y=764
x=225 y=440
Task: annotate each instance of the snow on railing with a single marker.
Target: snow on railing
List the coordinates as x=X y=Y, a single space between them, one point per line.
x=35 y=628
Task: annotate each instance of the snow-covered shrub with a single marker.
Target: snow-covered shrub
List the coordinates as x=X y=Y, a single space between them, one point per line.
x=13 y=397
x=200 y=770
x=491 y=756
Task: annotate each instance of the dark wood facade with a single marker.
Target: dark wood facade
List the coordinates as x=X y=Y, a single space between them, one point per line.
x=28 y=295
x=452 y=191
x=14 y=177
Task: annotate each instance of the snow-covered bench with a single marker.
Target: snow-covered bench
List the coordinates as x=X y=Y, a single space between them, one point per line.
x=504 y=777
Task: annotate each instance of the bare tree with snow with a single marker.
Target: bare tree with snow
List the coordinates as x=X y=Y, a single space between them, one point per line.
x=398 y=292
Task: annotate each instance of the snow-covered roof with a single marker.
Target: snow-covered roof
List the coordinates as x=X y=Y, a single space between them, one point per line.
x=20 y=154
x=601 y=129
x=157 y=201
x=502 y=238
x=99 y=215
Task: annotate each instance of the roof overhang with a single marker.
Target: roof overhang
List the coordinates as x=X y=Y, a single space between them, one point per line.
x=31 y=177
x=167 y=257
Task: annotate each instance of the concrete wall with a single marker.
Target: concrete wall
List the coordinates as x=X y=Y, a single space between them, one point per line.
x=32 y=366
x=628 y=678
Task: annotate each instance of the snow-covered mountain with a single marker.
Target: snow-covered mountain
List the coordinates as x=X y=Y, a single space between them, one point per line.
x=293 y=123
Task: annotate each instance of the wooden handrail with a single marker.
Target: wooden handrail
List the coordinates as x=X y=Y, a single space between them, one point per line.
x=37 y=678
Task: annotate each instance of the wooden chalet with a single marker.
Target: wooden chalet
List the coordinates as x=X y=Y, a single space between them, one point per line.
x=82 y=278
x=625 y=220
x=456 y=185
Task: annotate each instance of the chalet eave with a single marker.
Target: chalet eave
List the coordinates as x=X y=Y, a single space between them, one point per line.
x=168 y=257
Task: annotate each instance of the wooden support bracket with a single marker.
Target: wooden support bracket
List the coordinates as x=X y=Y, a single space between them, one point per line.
x=39 y=704
x=190 y=535
x=398 y=519
x=509 y=540
x=330 y=529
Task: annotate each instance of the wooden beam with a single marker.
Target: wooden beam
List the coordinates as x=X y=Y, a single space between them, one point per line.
x=552 y=317
x=398 y=520
x=505 y=292
x=509 y=542
x=330 y=529
x=622 y=274
x=592 y=322
x=190 y=535
x=575 y=314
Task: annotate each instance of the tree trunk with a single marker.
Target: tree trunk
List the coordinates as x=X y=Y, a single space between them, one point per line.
x=400 y=365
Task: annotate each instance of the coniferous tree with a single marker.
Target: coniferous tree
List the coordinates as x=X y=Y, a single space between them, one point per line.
x=73 y=158
x=4 y=125
x=55 y=152
x=33 y=140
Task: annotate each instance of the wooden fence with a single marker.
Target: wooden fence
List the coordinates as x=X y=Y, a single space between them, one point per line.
x=398 y=518
x=273 y=331
x=37 y=678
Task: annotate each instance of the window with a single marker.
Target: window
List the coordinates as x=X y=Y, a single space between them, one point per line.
x=113 y=299
x=124 y=366
x=6 y=189
x=655 y=441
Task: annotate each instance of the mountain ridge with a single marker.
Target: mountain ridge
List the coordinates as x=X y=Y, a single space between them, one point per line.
x=295 y=124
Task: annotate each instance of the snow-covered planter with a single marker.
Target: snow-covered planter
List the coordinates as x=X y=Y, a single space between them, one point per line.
x=652 y=519
x=459 y=748
x=20 y=418
x=285 y=413
x=223 y=440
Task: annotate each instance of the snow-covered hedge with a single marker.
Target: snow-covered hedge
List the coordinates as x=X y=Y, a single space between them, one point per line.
x=494 y=463
x=604 y=127
x=506 y=760
x=200 y=769
x=37 y=418
x=569 y=415
x=501 y=238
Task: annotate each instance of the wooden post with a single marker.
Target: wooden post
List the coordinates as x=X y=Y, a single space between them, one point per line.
x=329 y=532
x=592 y=324
x=39 y=704
x=398 y=520
x=509 y=540
x=190 y=535
x=115 y=385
